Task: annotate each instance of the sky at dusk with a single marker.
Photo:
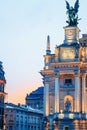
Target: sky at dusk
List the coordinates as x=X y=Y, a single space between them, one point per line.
x=24 y=26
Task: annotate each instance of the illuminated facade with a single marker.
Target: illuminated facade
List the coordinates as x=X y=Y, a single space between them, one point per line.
x=65 y=83
x=2 y=96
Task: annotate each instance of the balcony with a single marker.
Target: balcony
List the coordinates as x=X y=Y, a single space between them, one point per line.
x=68 y=116
x=67 y=85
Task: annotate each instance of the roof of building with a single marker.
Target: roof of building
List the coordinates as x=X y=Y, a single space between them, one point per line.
x=36 y=94
x=22 y=108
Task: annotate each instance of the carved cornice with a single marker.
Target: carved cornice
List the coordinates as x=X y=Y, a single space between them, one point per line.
x=74 y=68
x=69 y=64
x=48 y=56
x=66 y=72
x=65 y=64
x=46 y=72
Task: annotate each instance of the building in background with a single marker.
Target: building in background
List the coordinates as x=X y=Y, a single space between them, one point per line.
x=2 y=95
x=65 y=79
x=83 y=42
x=21 y=117
x=35 y=99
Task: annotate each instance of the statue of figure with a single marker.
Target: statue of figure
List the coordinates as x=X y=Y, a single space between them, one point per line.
x=67 y=105
x=72 y=14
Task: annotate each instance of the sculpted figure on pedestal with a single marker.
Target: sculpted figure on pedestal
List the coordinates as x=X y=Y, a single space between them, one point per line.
x=72 y=13
x=67 y=105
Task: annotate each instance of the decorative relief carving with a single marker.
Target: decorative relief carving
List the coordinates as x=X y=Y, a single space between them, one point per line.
x=66 y=65
x=68 y=53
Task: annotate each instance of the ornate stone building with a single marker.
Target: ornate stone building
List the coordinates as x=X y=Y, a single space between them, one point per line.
x=2 y=95
x=65 y=80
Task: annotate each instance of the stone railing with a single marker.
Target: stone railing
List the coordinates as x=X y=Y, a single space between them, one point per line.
x=67 y=85
x=70 y=115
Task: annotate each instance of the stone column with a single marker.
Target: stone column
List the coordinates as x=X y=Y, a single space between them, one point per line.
x=83 y=94
x=77 y=93
x=46 y=98
x=56 y=94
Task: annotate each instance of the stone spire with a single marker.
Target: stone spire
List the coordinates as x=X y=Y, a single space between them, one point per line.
x=48 y=51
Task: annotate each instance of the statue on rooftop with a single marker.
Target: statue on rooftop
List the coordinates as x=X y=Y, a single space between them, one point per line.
x=72 y=13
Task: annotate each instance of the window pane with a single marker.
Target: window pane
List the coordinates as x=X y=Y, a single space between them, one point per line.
x=68 y=81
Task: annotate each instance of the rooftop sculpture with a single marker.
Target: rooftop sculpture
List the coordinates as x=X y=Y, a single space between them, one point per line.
x=72 y=13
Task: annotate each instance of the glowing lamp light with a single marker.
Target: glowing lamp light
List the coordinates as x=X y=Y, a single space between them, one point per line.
x=61 y=115
x=71 y=116
x=46 y=67
x=61 y=111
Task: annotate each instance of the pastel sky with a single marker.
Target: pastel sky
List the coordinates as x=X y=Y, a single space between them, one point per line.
x=24 y=26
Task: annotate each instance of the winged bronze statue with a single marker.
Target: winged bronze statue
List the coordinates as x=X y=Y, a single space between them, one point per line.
x=72 y=13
